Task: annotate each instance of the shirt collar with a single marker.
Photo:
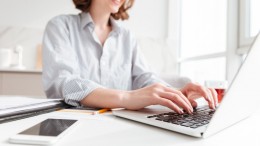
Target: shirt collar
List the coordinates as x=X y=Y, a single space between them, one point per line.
x=86 y=20
x=115 y=25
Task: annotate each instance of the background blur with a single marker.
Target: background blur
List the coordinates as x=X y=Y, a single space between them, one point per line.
x=200 y=39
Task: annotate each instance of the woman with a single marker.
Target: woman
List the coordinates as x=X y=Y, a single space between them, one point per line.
x=90 y=60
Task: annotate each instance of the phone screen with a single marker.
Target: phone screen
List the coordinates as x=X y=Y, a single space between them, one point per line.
x=49 y=127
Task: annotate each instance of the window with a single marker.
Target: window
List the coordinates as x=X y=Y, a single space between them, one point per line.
x=202 y=54
x=213 y=36
x=205 y=69
x=254 y=17
x=249 y=23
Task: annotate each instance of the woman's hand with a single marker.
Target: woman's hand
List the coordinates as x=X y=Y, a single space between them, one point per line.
x=157 y=94
x=194 y=91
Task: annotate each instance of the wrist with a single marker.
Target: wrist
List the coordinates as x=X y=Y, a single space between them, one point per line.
x=183 y=91
x=125 y=98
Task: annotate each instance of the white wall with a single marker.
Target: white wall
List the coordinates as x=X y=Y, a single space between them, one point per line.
x=26 y=20
x=148 y=19
x=32 y=13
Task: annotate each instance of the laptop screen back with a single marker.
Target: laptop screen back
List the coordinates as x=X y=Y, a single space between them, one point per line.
x=243 y=96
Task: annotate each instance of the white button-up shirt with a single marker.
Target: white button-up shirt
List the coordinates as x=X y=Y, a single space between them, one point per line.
x=75 y=63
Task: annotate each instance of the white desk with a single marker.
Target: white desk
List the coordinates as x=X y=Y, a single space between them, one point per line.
x=107 y=130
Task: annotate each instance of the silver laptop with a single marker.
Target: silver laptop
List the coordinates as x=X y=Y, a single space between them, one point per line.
x=240 y=101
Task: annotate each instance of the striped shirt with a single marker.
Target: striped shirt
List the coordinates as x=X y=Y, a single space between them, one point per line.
x=75 y=63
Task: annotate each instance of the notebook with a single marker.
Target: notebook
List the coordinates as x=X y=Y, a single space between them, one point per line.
x=17 y=107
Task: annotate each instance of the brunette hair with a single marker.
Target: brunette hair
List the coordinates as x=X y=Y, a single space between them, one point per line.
x=84 y=6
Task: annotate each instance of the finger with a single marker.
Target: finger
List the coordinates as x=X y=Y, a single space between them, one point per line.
x=186 y=100
x=181 y=95
x=194 y=95
x=215 y=96
x=193 y=103
x=211 y=98
x=169 y=104
x=177 y=100
x=205 y=93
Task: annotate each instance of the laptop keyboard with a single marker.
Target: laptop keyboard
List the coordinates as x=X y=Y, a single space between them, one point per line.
x=201 y=116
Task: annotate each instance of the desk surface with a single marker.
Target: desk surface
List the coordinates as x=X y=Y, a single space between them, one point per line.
x=107 y=130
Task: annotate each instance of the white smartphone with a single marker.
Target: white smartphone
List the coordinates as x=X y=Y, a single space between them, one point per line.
x=46 y=132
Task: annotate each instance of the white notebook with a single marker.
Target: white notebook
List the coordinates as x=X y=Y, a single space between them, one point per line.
x=14 y=105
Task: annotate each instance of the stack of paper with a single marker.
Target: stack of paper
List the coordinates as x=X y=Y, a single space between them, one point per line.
x=15 y=107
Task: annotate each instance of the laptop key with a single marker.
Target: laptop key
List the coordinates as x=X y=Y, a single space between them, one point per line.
x=198 y=125
x=194 y=126
x=200 y=117
x=187 y=124
x=153 y=116
x=159 y=119
x=204 y=122
x=194 y=122
x=176 y=122
x=186 y=115
x=183 y=121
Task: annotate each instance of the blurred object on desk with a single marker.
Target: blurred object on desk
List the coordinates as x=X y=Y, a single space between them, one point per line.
x=5 y=57
x=19 y=63
x=39 y=57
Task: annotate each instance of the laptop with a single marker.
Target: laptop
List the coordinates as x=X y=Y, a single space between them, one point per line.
x=240 y=100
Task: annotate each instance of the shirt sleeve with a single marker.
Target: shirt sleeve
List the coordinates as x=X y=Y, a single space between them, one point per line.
x=142 y=73
x=61 y=74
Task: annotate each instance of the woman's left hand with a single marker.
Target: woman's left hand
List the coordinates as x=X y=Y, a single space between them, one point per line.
x=194 y=91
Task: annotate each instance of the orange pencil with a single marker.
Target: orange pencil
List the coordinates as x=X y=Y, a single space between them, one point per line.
x=100 y=111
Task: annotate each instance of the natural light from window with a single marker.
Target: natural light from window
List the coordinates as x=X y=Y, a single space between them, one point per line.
x=254 y=17
x=203 y=27
x=206 y=69
x=203 y=32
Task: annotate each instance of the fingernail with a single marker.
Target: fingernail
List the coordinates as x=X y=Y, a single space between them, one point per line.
x=193 y=104
x=181 y=112
x=211 y=105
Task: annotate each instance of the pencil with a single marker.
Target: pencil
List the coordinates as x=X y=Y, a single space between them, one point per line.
x=100 y=111
x=75 y=111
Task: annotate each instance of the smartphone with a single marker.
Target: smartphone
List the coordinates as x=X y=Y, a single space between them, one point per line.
x=46 y=132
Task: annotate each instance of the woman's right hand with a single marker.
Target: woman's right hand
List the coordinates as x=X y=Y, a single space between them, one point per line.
x=157 y=94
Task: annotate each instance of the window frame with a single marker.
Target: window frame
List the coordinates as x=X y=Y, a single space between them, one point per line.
x=197 y=57
x=245 y=40
x=233 y=58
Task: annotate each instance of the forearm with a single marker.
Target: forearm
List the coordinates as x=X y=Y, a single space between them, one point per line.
x=105 y=98
x=156 y=94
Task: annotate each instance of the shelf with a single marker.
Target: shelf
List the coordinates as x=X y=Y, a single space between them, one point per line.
x=20 y=71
